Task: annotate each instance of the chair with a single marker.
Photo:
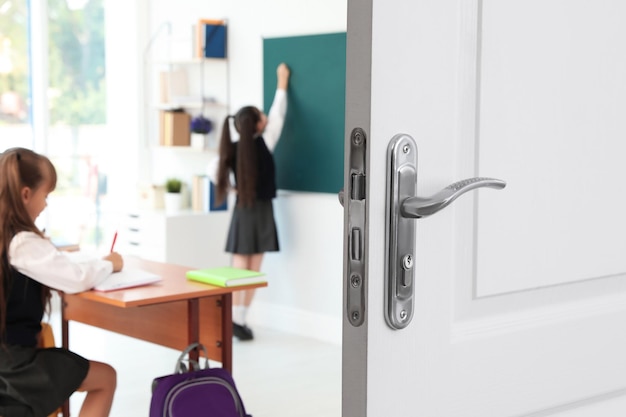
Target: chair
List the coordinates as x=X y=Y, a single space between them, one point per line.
x=46 y=337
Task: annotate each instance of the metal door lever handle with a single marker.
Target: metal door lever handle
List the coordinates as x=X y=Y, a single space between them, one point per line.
x=403 y=205
x=418 y=207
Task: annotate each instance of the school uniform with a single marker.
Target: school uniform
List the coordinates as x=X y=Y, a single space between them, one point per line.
x=253 y=228
x=35 y=381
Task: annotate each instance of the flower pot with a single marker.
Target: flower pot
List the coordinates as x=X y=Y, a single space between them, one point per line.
x=199 y=141
x=173 y=202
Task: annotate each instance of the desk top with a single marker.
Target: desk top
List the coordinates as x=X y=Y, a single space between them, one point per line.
x=173 y=287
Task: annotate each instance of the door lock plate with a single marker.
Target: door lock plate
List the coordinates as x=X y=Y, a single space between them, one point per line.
x=400 y=251
x=355 y=199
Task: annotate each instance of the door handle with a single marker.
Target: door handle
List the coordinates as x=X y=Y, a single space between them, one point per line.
x=418 y=207
x=403 y=205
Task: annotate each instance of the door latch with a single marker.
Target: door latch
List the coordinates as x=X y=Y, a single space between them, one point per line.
x=402 y=207
x=354 y=201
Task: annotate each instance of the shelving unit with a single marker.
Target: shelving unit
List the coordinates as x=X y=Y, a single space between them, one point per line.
x=177 y=80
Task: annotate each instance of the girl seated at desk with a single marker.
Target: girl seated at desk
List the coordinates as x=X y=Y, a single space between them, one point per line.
x=35 y=381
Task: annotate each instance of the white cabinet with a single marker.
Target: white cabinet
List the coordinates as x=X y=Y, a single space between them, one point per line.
x=188 y=238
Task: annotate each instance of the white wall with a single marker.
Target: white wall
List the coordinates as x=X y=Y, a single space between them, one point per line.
x=123 y=74
x=305 y=293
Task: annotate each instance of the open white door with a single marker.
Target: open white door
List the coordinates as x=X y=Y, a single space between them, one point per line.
x=519 y=294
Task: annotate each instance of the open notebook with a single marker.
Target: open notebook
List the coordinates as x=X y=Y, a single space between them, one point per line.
x=127 y=278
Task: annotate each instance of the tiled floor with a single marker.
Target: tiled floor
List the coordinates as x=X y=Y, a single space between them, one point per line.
x=277 y=374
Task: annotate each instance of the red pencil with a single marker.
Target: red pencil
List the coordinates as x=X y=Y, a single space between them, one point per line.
x=114 y=239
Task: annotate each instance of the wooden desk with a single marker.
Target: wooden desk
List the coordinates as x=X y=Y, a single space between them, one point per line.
x=173 y=313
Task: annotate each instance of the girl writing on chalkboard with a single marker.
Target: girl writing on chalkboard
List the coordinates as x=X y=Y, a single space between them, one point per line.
x=252 y=229
x=36 y=381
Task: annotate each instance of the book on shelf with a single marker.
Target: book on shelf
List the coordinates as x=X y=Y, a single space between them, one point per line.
x=198 y=192
x=174 y=128
x=211 y=38
x=203 y=195
x=172 y=84
x=226 y=276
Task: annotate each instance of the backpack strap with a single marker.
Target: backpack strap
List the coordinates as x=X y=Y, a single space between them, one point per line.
x=180 y=362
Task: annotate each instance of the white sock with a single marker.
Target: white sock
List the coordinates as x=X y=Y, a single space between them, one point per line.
x=239 y=315
x=244 y=314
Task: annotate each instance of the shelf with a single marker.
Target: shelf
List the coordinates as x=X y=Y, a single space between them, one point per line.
x=178 y=79
x=191 y=104
x=188 y=61
x=185 y=149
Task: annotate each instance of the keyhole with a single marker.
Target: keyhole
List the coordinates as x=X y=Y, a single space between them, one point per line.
x=407 y=262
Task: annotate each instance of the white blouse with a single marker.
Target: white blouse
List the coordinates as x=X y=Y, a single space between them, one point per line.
x=40 y=260
x=271 y=134
x=275 y=119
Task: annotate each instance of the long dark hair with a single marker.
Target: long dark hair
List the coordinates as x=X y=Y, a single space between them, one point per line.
x=19 y=168
x=245 y=160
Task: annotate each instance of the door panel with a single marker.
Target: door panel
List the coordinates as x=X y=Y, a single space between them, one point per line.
x=519 y=294
x=552 y=95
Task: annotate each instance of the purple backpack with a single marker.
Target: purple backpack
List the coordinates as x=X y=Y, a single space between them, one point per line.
x=209 y=392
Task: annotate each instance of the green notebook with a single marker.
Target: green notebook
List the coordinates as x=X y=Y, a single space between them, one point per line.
x=226 y=276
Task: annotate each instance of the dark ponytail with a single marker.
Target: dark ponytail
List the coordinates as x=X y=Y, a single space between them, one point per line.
x=226 y=155
x=19 y=168
x=245 y=161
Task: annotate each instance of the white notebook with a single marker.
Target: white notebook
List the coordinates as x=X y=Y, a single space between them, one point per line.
x=127 y=278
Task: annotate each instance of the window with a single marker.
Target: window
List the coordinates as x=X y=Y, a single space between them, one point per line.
x=77 y=118
x=15 y=128
x=69 y=115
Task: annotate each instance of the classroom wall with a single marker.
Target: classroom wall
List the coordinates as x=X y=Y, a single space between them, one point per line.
x=305 y=293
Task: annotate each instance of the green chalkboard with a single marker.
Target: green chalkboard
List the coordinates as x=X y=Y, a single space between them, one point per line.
x=309 y=155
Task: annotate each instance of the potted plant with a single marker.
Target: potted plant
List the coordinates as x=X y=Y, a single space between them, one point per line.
x=173 y=198
x=173 y=185
x=200 y=129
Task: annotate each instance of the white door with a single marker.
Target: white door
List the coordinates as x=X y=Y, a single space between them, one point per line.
x=519 y=304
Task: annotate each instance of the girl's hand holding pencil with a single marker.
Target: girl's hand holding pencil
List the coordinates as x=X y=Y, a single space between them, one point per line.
x=114 y=257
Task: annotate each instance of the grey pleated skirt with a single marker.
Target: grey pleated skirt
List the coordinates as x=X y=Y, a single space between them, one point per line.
x=253 y=229
x=35 y=382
